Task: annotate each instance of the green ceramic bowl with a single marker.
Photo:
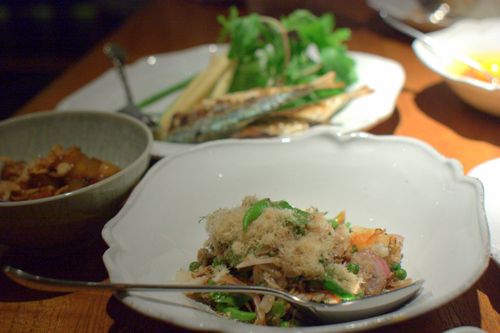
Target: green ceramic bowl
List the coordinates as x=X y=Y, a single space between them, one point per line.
x=73 y=218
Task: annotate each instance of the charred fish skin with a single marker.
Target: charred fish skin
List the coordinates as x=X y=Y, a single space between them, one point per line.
x=271 y=127
x=222 y=125
x=322 y=111
x=215 y=125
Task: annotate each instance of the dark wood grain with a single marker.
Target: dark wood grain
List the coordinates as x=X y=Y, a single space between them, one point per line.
x=426 y=109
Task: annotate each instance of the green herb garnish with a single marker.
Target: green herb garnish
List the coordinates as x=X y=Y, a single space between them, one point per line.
x=295 y=49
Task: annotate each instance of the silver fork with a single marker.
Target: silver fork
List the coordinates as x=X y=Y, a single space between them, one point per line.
x=117 y=55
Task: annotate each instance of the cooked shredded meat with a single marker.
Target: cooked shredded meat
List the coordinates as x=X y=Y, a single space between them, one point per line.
x=61 y=171
x=273 y=244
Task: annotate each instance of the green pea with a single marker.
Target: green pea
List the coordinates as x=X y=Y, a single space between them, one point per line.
x=334 y=222
x=232 y=259
x=395 y=266
x=194 y=266
x=217 y=262
x=299 y=230
x=400 y=274
x=353 y=268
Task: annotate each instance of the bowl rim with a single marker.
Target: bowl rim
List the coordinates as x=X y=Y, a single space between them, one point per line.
x=53 y=113
x=420 y=50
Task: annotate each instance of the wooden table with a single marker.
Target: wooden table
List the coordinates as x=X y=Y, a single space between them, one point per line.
x=426 y=109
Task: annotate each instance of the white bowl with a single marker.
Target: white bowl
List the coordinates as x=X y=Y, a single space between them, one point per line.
x=396 y=183
x=466 y=37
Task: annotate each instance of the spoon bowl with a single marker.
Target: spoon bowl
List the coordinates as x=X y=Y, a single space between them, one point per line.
x=329 y=313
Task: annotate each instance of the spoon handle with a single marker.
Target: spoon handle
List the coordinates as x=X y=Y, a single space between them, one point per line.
x=430 y=42
x=60 y=285
x=351 y=310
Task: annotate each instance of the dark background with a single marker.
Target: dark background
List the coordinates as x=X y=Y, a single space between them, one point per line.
x=40 y=39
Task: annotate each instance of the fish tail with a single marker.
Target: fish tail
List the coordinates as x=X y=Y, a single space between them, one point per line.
x=323 y=110
x=216 y=125
x=326 y=81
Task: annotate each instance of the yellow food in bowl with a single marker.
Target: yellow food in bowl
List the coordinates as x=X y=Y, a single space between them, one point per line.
x=490 y=61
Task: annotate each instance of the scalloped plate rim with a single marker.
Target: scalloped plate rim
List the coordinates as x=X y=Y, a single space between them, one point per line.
x=385 y=103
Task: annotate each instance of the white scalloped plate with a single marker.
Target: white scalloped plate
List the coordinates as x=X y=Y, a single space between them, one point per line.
x=396 y=183
x=151 y=74
x=489 y=175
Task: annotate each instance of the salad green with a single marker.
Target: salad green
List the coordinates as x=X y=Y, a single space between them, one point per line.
x=265 y=55
x=298 y=48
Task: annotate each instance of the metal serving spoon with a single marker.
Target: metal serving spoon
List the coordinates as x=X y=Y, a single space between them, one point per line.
x=439 y=12
x=431 y=43
x=352 y=310
x=117 y=55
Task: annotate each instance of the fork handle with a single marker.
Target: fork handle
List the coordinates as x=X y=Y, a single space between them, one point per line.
x=118 y=56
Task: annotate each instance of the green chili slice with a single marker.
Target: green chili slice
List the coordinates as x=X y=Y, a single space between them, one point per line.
x=278 y=309
x=224 y=300
x=300 y=217
x=240 y=315
x=335 y=288
x=254 y=212
x=282 y=204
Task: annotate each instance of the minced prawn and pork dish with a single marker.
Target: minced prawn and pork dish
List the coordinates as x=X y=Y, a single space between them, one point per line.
x=61 y=171
x=304 y=252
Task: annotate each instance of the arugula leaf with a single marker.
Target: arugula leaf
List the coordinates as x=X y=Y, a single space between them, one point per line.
x=257 y=48
x=316 y=48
